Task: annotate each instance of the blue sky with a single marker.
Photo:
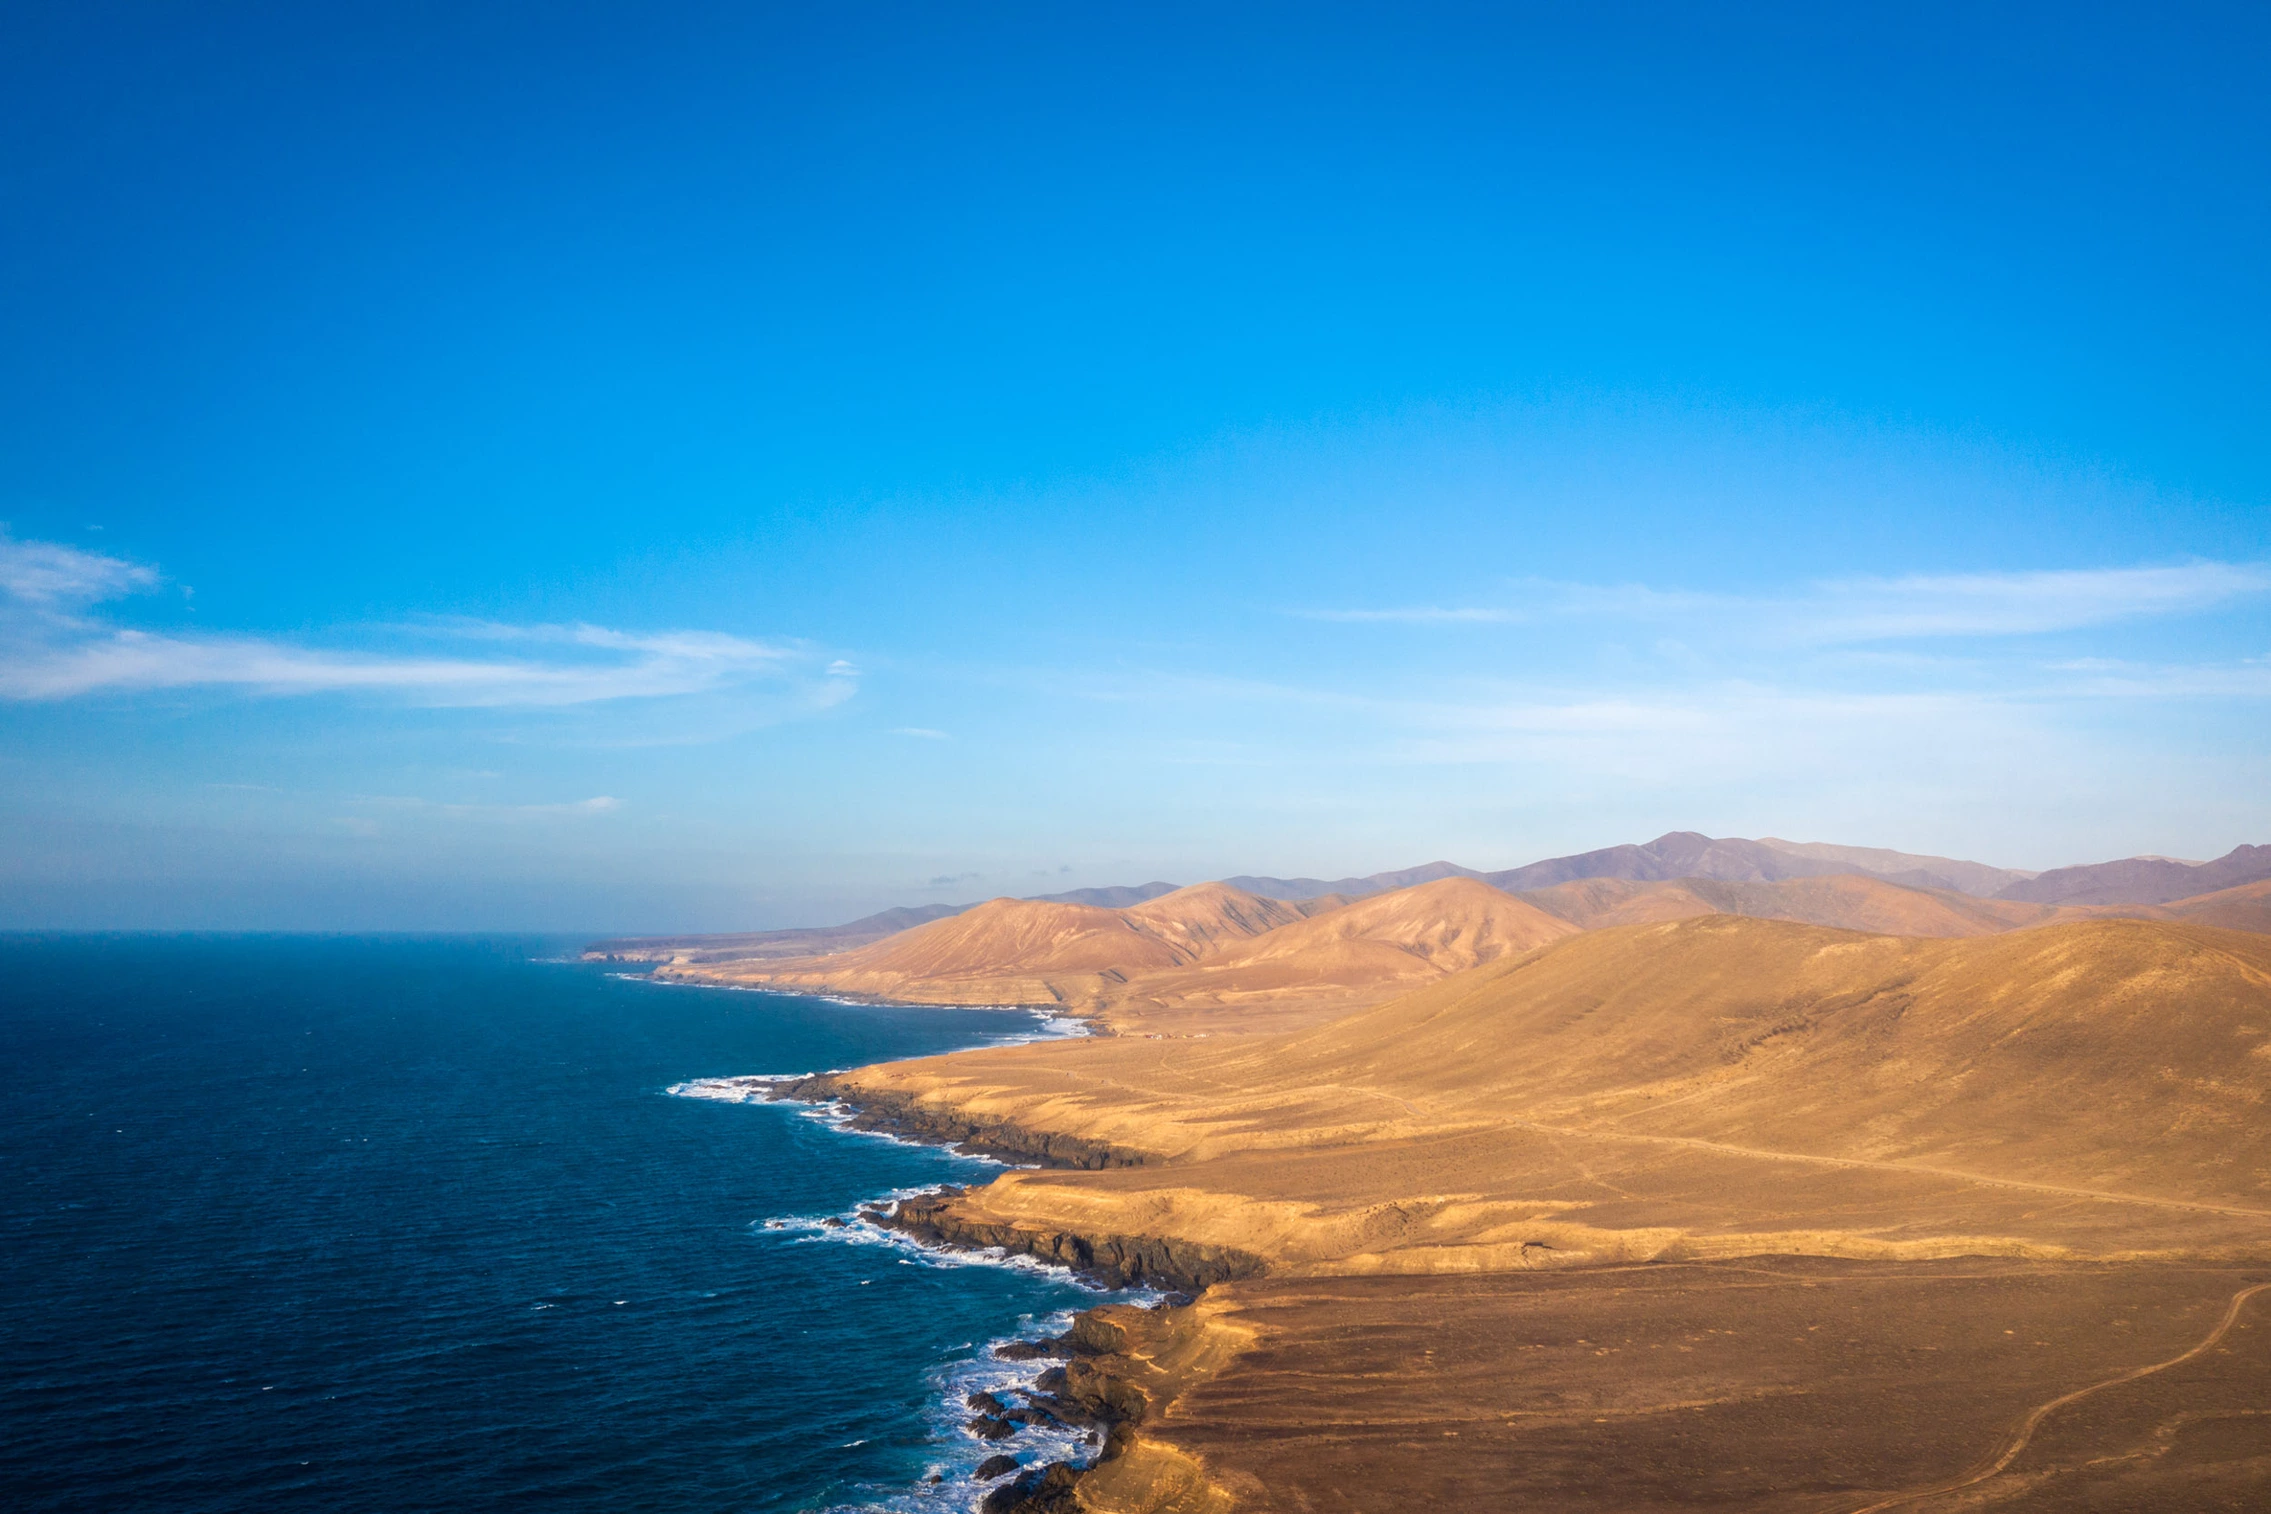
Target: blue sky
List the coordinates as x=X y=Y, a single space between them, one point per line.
x=594 y=466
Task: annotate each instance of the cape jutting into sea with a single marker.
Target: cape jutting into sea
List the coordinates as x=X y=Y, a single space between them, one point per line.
x=399 y=1225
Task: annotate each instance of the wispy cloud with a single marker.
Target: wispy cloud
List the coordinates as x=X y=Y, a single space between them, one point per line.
x=598 y=804
x=1422 y=615
x=53 y=577
x=2018 y=604
x=54 y=645
x=1851 y=611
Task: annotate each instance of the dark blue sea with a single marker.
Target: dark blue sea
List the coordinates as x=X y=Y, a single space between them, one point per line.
x=385 y=1224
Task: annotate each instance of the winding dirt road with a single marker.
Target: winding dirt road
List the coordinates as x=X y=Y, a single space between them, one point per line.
x=2033 y=1421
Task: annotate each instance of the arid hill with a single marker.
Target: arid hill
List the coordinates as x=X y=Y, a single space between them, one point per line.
x=2143 y=880
x=1023 y=951
x=2125 y=1059
x=1204 y=959
x=2247 y=907
x=1207 y=917
x=1749 y=1213
x=1847 y=901
x=1912 y=868
x=1340 y=960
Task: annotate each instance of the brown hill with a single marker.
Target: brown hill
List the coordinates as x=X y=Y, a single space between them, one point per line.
x=1005 y=951
x=1850 y=901
x=1023 y=951
x=1342 y=959
x=1198 y=919
x=1846 y=901
x=2247 y=907
x=1173 y=963
x=2095 y=1087
x=1675 y=854
x=1597 y=903
x=2143 y=880
x=1914 y=869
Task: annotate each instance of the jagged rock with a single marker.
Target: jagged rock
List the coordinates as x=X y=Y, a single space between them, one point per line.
x=993 y=1467
x=879 y=1109
x=1025 y=1351
x=1116 y=1260
x=984 y=1403
x=1093 y=1335
x=1041 y=1490
x=987 y=1427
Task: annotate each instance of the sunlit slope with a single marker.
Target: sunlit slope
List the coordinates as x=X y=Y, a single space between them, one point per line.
x=1357 y=954
x=1173 y=962
x=1599 y=903
x=1208 y=916
x=1023 y=951
x=1846 y=901
x=2247 y=907
x=2115 y=1054
x=1711 y=1086
x=1006 y=951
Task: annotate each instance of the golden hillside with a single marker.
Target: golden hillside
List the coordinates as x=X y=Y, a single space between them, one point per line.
x=2100 y=1087
x=1340 y=960
x=1170 y=963
x=1800 y=1219
x=1023 y=951
x=2247 y=907
x=1846 y=901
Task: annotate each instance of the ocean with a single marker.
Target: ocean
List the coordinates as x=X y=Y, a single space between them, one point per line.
x=386 y=1224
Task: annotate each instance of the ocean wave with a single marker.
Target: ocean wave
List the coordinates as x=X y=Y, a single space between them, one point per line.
x=959 y=1450
x=834 y=1114
x=749 y=1088
x=858 y=1229
x=1052 y=1026
x=949 y=1485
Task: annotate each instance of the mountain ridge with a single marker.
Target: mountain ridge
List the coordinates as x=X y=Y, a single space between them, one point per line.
x=2143 y=880
x=1670 y=858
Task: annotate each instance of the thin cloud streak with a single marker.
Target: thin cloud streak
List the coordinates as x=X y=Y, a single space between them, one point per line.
x=53 y=648
x=1859 y=610
x=598 y=804
x=52 y=576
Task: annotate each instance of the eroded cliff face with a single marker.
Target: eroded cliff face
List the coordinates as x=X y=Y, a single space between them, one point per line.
x=904 y=1114
x=1119 y=1261
x=1123 y=1370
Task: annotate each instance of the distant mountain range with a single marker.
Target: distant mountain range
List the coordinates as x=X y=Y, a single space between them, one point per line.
x=1677 y=854
x=2143 y=880
x=1674 y=856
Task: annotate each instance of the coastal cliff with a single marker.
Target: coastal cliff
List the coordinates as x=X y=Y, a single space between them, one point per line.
x=1121 y=1368
x=1118 y=1261
x=902 y=1114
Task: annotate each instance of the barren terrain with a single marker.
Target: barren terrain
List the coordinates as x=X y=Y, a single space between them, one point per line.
x=1716 y=1212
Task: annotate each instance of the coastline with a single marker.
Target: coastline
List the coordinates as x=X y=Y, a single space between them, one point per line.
x=1073 y=1394
x=1112 y=1367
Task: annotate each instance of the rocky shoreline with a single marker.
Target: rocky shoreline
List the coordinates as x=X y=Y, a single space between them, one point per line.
x=1106 y=1377
x=1089 y=1388
x=895 y=1114
x=1182 y=1269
